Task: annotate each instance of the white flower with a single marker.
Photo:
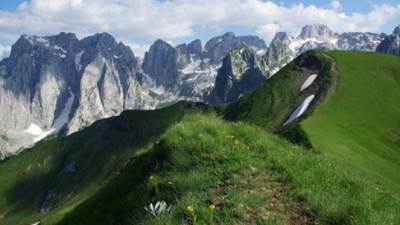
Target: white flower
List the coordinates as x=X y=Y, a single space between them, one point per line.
x=159 y=208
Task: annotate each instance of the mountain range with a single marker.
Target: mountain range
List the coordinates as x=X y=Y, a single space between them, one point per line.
x=316 y=143
x=60 y=84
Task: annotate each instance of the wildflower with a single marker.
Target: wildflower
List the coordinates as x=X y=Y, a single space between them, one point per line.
x=190 y=209
x=211 y=206
x=211 y=215
x=170 y=182
x=157 y=209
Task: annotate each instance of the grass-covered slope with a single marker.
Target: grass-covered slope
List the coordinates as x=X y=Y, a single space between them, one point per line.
x=250 y=176
x=58 y=174
x=354 y=119
x=359 y=122
x=271 y=103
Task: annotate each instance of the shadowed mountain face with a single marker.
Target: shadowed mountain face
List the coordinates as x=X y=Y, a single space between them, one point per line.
x=59 y=84
x=391 y=44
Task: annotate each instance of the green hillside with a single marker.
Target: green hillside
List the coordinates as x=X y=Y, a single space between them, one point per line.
x=218 y=165
x=250 y=176
x=59 y=174
x=359 y=123
x=355 y=118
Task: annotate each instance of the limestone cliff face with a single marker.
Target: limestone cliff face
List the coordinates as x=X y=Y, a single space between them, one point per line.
x=190 y=70
x=55 y=83
x=242 y=71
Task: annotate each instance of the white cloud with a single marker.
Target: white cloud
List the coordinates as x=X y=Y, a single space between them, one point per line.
x=267 y=31
x=336 y=5
x=171 y=19
x=4 y=51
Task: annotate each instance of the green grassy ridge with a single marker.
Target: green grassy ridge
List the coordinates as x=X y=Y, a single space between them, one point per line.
x=271 y=104
x=204 y=160
x=25 y=166
x=96 y=154
x=356 y=119
x=359 y=123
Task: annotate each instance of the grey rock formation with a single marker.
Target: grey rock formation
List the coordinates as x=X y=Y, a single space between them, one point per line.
x=391 y=44
x=242 y=71
x=58 y=83
x=279 y=52
x=189 y=70
x=284 y=47
x=317 y=31
x=359 y=41
x=160 y=62
x=216 y=48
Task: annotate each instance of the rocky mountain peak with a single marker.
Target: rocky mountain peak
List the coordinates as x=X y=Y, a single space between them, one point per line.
x=195 y=47
x=242 y=70
x=160 y=63
x=283 y=36
x=316 y=31
x=100 y=41
x=229 y=35
x=106 y=45
x=397 y=30
x=218 y=47
x=391 y=43
x=161 y=43
x=62 y=38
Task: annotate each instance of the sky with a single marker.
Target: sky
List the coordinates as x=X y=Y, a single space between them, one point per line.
x=138 y=23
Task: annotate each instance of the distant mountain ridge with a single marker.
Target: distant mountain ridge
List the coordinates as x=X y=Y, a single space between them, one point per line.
x=190 y=70
x=391 y=44
x=60 y=83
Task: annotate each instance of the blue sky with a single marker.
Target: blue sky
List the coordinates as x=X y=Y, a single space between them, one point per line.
x=139 y=22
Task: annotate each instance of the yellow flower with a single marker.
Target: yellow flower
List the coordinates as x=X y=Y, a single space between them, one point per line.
x=211 y=206
x=151 y=178
x=190 y=210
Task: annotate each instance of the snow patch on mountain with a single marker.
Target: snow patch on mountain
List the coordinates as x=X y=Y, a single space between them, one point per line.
x=297 y=44
x=193 y=67
x=300 y=110
x=56 y=47
x=38 y=133
x=308 y=82
x=34 y=130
